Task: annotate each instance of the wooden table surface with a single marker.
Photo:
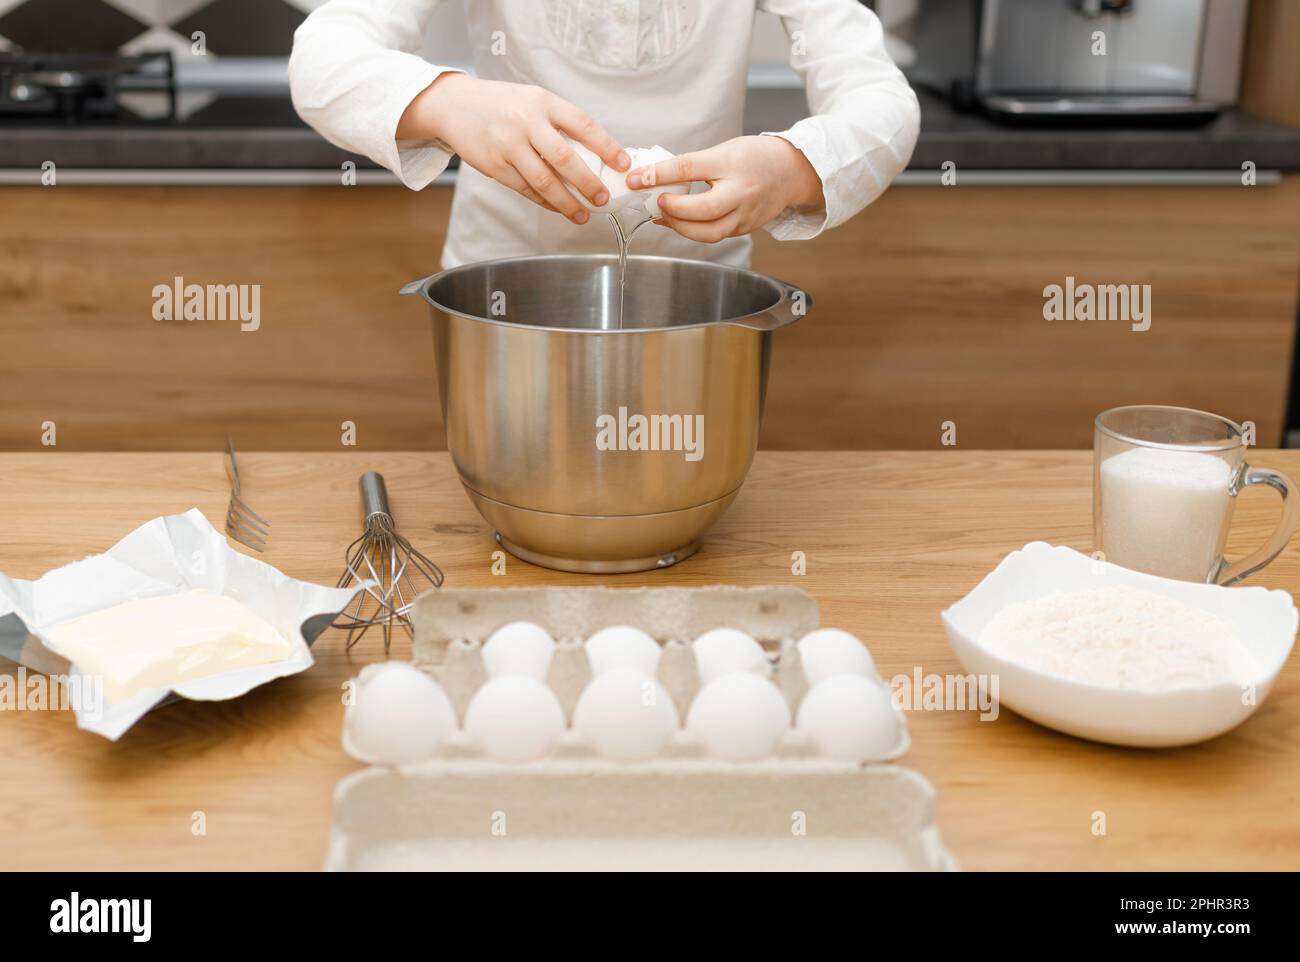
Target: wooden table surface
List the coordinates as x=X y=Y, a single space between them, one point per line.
x=890 y=540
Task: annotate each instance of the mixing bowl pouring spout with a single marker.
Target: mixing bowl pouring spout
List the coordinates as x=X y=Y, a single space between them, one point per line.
x=419 y=286
x=793 y=305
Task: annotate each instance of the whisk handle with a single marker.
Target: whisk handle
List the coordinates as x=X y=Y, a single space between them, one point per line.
x=374 y=495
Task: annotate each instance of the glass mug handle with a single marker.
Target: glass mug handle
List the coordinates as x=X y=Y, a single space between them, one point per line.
x=1230 y=574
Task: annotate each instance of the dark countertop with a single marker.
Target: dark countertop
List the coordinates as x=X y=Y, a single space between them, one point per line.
x=977 y=142
x=250 y=133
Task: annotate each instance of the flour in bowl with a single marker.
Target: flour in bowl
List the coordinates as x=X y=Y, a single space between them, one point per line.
x=1121 y=638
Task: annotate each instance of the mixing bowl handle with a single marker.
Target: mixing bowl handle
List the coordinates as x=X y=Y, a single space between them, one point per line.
x=794 y=304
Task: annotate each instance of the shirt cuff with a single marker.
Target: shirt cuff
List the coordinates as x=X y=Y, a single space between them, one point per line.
x=415 y=162
x=791 y=223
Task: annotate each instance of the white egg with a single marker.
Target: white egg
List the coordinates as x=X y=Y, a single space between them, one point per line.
x=399 y=714
x=830 y=651
x=740 y=717
x=622 y=647
x=725 y=650
x=514 y=718
x=519 y=648
x=626 y=715
x=850 y=718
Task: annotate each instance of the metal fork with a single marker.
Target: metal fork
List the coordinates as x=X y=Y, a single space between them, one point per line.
x=243 y=523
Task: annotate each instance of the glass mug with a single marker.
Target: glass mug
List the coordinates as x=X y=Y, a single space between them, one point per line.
x=1164 y=482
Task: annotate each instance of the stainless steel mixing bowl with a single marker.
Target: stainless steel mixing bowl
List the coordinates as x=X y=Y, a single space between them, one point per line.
x=534 y=371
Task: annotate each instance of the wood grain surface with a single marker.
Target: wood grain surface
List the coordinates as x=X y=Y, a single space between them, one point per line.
x=891 y=539
x=927 y=308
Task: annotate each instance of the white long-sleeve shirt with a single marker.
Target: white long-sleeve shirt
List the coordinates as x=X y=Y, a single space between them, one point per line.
x=668 y=72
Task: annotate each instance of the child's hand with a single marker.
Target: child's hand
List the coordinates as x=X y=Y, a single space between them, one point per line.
x=751 y=181
x=509 y=132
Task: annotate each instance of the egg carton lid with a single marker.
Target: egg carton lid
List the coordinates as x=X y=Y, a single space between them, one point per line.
x=673 y=814
x=769 y=614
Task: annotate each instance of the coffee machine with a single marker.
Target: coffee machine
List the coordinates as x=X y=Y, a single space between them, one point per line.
x=1082 y=58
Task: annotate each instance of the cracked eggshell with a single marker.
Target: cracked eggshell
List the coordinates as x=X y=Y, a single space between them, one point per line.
x=615 y=181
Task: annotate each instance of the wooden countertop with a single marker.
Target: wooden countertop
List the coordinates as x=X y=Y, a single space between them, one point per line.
x=890 y=540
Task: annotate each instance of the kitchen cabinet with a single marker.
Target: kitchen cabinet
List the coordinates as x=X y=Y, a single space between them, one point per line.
x=928 y=311
x=1269 y=88
x=889 y=538
x=928 y=308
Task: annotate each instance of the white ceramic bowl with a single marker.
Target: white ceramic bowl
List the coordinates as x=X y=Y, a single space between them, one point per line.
x=1265 y=622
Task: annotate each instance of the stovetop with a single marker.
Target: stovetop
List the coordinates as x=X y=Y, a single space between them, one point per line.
x=199 y=110
x=105 y=91
x=80 y=87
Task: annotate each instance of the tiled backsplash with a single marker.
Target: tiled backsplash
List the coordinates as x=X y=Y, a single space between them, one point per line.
x=235 y=28
x=251 y=28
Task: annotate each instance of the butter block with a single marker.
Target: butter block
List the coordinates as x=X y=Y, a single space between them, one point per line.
x=164 y=641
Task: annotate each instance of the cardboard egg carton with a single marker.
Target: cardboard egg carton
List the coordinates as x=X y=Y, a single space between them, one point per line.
x=769 y=816
x=769 y=615
x=683 y=810
x=451 y=626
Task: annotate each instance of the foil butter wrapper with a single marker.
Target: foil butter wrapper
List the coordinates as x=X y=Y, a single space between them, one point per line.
x=167 y=555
